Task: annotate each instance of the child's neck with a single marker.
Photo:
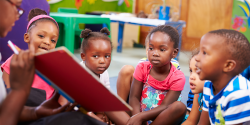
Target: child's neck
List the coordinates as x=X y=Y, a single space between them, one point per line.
x=160 y=73
x=221 y=83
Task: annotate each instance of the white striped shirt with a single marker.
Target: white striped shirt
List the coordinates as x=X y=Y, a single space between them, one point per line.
x=231 y=105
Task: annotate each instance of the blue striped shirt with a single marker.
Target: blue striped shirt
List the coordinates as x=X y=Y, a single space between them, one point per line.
x=231 y=105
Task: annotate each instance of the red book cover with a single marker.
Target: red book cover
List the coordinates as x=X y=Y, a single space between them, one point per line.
x=61 y=69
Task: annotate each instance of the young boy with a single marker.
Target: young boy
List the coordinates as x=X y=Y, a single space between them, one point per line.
x=224 y=54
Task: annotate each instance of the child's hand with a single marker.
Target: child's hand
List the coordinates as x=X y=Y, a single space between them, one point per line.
x=51 y=107
x=22 y=70
x=103 y=117
x=135 y=120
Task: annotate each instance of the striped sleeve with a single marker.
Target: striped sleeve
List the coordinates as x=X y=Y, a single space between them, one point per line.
x=236 y=104
x=206 y=95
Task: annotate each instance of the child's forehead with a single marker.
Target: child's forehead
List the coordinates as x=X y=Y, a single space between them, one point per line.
x=212 y=40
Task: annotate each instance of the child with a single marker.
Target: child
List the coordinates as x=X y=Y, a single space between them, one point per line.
x=42 y=32
x=96 y=51
x=223 y=55
x=157 y=84
x=125 y=76
x=196 y=86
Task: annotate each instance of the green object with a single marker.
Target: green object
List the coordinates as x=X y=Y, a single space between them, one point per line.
x=67 y=10
x=70 y=21
x=240 y=21
x=78 y=29
x=98 y=5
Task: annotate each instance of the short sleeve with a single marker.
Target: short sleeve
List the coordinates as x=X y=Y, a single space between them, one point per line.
x=204 y=105
x=177 y=83
x=105 y=79
x=236 y=107
x=6 y=65
x=140 y=71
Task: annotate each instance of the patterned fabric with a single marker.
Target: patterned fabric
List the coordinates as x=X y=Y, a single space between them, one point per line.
x=231 y=105
x=200 y=101
x=190 y=100
x=173 y=61
x=151 y=97
x=246 y=73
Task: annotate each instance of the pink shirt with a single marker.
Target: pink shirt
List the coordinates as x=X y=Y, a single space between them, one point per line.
x=175 y=80
x=37 y=83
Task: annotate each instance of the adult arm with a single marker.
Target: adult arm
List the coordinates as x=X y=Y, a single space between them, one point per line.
x=194 y=116
x=22 y=74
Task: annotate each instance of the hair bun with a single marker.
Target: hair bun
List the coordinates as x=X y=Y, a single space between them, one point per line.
x=35 y=12
x=105 y=30
x=85 y=33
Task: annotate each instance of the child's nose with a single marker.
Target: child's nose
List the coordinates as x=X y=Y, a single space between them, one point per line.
x=102 y=60
x=155 y=53
x=46 y=41
x=192 y=77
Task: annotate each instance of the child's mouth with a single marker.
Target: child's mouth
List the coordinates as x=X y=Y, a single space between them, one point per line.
x=44 y=48
x=192 y=86
x=101 y=68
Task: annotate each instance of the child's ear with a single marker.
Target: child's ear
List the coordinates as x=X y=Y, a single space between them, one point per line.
x=175 y=52
x=229 y=66
x=83 y=56
x=26 y=38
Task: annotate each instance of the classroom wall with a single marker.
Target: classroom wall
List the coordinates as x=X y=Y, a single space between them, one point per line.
x=200 y=16
x=240 y=17
x=84 y=6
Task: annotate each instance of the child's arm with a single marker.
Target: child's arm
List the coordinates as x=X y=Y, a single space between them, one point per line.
x=170 y=97
x=135 y=96
x=194 y=116
x=204 y=119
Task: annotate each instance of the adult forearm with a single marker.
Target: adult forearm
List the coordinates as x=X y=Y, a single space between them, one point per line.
x=28 y=114
x=12 y=106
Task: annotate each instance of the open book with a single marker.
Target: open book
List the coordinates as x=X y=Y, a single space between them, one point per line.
x=61 y=69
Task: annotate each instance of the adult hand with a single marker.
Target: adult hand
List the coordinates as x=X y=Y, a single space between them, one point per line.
x=52 y=107
x=22 y=70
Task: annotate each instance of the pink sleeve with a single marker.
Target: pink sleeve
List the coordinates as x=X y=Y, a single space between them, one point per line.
x=139 y=73
x=177 y=83
x=6 y=65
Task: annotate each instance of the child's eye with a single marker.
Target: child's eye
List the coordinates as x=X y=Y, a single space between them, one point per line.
x=95 y=56
x=204 y=53
x=190 y=70
x=41 y=36
x=163 y=50
x=53 y=41
x=150 y=48
x=107 y=57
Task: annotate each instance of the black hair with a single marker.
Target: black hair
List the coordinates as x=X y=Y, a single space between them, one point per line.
x=237 y=45
x=36 y=12
x=170 y=31
x=88 y=36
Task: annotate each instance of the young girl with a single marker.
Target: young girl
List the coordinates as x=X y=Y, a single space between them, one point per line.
x=96 y=51
x=42 y=33
x=157 y=84
x=196 y=86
